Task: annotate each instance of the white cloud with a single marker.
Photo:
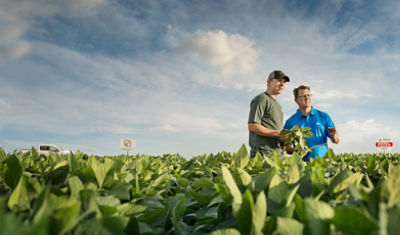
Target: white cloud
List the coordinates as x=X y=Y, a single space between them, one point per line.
x=95 y=94
x=233 y=53
x=352 y=94
x=17 y=17
x=12 y=29
x=193 y=122
x=168 y=128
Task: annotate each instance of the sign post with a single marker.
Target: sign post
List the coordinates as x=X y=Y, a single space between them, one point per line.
x=384 y=144
x=126 y=145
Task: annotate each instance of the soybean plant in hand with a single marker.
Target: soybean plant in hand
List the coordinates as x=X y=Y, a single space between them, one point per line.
x=296 y=138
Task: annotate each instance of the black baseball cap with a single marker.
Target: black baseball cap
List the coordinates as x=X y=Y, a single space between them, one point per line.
x=277 y=74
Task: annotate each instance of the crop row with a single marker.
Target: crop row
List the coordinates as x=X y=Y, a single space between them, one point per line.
x=224 y=193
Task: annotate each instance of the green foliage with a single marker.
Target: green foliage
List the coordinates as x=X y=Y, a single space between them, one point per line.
x=224 y=193
x=296 y=137
x=13 y=171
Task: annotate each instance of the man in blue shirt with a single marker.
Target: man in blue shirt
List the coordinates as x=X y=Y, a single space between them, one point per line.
x=320 y=122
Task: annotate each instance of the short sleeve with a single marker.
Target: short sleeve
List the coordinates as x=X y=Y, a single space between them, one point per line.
x=257 y=109
x=328 y=123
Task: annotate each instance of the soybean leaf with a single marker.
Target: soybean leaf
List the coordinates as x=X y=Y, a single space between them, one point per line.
x=41 y=209
x=66 y=218
x=19 y=198
x=92 y=226
x=306 y=186
x=286 y=211
x=259 y=214
x=153 y=217
x=129 y=209
x=343 y=180
x=109 y=200
x=353 y=221
x=75 y=186
x=393 y=225
x=121 y=191
x=202 y=198
x=13 y=171
x=391 y=189
x=245 y=215
x=291 y=195
x=293 y=174
x=288 y=226
x=2 y=154
x=202 y=182
x=233 y=188
x=228 y=231
x=262 y=181
x=73 y=163
x=12 y=224
x=278 y=189
x=115 y=224
x=59 y=173
x=88 y=200
x=383 y=219
x=212 y=212
x=107 y=210
x=300 y=210
x=101 y=169
x=242 y=157
x=57 y=202
x=179 y=209
x=318 y=215
x=245 y=178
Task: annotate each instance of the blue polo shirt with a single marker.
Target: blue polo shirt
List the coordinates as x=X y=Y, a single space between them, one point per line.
x=319 y=122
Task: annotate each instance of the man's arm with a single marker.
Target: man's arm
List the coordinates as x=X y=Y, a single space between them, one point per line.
x=334 y=135
x=263 y=131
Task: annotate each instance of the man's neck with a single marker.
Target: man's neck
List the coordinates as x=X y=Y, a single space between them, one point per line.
x=270 y=94
x=305 y=110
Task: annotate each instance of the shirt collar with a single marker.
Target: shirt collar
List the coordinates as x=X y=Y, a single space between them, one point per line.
x=312 y=113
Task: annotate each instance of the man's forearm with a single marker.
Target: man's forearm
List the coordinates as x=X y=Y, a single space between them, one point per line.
x=262 y=130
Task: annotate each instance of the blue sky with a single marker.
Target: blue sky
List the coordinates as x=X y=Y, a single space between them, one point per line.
x=178 y=76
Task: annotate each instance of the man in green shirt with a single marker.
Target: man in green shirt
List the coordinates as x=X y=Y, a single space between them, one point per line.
x=266 y=117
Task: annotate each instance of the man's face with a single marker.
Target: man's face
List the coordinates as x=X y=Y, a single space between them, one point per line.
x=276 y=85
x=303 y=99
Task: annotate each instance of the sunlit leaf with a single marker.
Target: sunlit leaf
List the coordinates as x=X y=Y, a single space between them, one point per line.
x=13 y=171
x=288 y=226
x=233 y=188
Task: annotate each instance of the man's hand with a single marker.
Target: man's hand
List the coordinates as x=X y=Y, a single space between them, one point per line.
x=289 y=149
x=283 y=137
x=334 y=134
x=332 y=130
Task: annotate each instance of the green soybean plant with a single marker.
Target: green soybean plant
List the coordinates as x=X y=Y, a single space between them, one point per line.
x=296 y=137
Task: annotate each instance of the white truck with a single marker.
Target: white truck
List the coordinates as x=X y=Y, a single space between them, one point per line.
x=46 y=149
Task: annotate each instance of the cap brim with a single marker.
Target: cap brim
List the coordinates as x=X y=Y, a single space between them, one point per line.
x=287 y=78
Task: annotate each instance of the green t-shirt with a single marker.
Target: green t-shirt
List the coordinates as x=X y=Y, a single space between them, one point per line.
x=266 y=111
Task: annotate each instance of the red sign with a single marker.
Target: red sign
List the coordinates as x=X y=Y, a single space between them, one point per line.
x=382 y=144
